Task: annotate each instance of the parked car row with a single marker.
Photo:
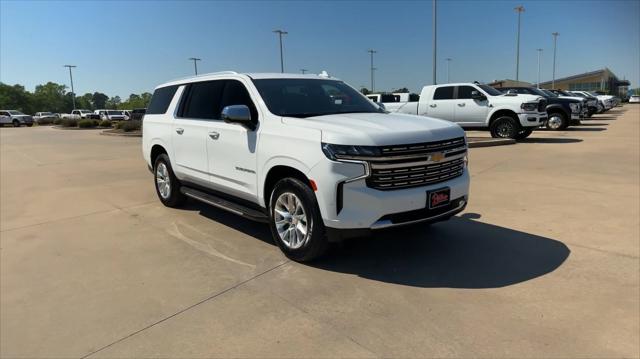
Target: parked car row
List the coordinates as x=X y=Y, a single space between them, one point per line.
x=477 y=106
x=510 y=112
x=17 y=118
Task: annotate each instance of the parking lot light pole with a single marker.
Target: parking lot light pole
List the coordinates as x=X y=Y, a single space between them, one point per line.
x=280 y=33
x=519 y=9
x=435 y=81
x=371 y=52
x=73 y=92
x=195 y=64
x=555 y=42
x=304 y=71
x=539 y=55
x=448 y=62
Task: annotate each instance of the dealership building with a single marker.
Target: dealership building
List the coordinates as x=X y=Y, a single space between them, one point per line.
x=601 y=80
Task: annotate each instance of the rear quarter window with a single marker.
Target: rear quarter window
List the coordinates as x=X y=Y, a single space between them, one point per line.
x=443 y=93
x=161 y=99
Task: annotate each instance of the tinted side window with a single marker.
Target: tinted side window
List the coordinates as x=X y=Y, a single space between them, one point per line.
x=203 y=100
x=414 y=97
x=464 y=92
x=161 y=99
x=389 y=98
x=443 y=93
x=236 y=94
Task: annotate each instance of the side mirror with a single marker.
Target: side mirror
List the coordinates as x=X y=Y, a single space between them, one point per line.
x=239 y=114
x=476 y=95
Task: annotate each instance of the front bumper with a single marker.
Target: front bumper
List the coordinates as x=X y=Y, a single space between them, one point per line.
x=401 y=219
x=354 y=205
x=532 y=119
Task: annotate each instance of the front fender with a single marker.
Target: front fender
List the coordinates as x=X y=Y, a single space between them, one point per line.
x=280 y=160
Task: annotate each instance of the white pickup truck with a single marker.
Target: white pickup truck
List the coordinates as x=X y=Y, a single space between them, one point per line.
x=472 y=105
x=77 y=115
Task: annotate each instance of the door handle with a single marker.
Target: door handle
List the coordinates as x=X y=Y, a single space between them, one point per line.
x=433 y=105
x=461 y=104
x=179 y=130
x=214 y=135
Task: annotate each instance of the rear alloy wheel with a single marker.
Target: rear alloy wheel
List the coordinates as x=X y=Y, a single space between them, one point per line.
x=16 y=123
x=557 y=122
x=504 y=127
x=167 y=185
x=295 y=220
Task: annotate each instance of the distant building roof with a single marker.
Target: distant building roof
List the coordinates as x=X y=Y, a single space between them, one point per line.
x=508 y=82
x=589 y=74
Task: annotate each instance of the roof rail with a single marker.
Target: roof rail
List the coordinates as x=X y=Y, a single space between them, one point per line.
x=221 y=73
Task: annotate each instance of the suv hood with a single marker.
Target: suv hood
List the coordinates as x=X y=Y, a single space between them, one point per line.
x=572 y=98
x=378 y=129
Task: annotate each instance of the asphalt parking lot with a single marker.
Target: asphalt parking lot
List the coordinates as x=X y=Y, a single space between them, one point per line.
x=544 y=262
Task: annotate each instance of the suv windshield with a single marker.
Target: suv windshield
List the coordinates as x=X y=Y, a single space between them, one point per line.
x=311 y=97
x=550 y=93
x=490 y=90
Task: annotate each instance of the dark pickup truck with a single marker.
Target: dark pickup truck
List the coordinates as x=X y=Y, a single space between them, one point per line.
x=561 y=112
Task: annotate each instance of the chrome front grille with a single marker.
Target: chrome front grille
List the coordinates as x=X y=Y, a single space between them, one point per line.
x=417 y=165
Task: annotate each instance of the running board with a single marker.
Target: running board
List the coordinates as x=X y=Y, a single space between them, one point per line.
x=235 y=208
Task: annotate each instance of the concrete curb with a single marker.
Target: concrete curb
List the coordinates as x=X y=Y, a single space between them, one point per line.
x=121 y=134
x=475 y=142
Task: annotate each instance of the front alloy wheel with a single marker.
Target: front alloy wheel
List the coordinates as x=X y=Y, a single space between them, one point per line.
x=291 y=220
x=295 y=220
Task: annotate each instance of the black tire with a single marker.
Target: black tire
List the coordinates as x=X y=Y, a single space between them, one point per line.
x=16 y=123
x=29 y=124
x=504 y=127
x=557 y=121
x=314 y=242
x=524 y=133
x=174 y=198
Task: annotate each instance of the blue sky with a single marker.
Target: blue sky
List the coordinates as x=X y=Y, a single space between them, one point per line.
x=132 y=46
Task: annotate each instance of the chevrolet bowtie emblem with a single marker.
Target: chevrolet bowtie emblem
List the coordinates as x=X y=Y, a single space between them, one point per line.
x=437 y=157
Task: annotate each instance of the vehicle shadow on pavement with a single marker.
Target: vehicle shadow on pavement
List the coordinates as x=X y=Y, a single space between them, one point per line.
x=594 y=124
x=254 y=229
x=460 y=253
x=590 y=129
x=549 y=140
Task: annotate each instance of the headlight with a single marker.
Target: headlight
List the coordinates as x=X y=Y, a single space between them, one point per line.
x=336 y=152
x=529 y=106
x=575 y=107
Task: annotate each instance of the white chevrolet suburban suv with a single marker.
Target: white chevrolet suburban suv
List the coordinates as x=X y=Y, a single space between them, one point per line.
x=475 y=106
x=307 y=154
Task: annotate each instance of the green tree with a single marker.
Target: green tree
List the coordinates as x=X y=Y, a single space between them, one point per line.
x=15 y=98
x=365 y=91
x=50 y=97
x=401 y=90
x=84 y=102
x=99 y=100
x=114 y=102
